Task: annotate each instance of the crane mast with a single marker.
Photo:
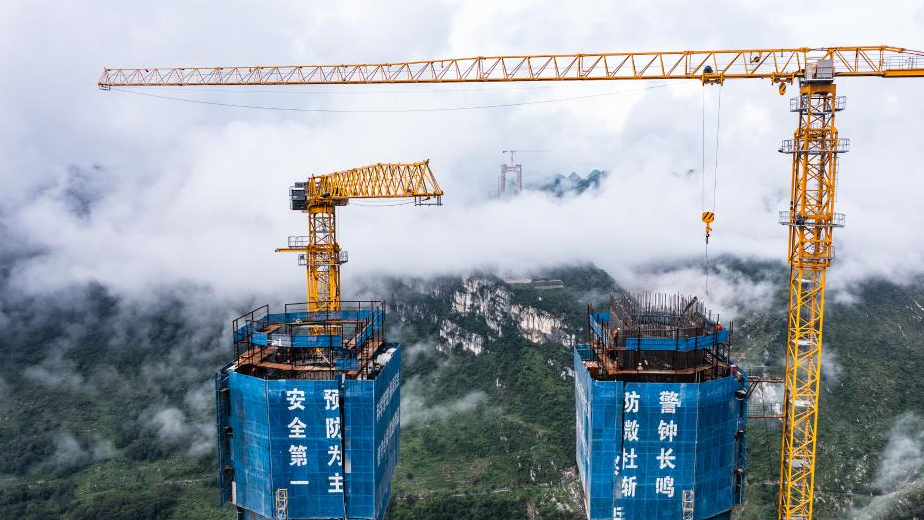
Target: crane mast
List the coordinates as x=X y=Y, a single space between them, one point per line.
x=811 y=220
x=319 y=197
x=814 y=147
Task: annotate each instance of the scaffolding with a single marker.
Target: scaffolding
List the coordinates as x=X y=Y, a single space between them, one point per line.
x=303 y=344
x=658 y=338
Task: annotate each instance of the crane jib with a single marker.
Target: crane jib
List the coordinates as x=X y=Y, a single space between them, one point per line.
x=710 y=66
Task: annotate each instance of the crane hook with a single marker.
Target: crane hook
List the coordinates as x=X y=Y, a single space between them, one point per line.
x=708 y=219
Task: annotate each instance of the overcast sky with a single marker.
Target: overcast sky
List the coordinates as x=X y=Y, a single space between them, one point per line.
x=137 y=192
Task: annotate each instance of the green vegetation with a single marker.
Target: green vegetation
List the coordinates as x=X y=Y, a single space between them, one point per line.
x=106 y=406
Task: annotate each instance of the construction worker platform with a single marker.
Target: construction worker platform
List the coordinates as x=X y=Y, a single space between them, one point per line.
x=303 y=344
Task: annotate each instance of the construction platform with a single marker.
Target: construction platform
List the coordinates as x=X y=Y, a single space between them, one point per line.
x=661 y=412
x=308 y=414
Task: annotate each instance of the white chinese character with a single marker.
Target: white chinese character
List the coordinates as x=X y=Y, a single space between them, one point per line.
x=298 y=455
x=667 y=430
x=336 y=483
x=617 y=513
x=296 y=429
x=631 y=402
x=333 y=427
x=665 y=486
x=628 y=459
x=332 y=399
x=296 y=398
x=628 y=486
x=335 y=456
x=670 y=401
x=666 y=459
x=630 y=430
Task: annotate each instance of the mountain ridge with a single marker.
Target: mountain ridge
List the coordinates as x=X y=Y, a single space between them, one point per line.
x=107 y=412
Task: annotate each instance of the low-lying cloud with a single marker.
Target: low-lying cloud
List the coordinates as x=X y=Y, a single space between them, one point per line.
x=898 y=476
x=901 y=460
x=172 y=425
x=70 y=451
x=416 y=408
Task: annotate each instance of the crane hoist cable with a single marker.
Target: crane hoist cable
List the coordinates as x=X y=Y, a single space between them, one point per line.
x=708 y=212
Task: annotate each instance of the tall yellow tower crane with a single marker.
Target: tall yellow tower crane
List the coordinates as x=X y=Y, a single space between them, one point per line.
x=814 y=147
x=319 y=198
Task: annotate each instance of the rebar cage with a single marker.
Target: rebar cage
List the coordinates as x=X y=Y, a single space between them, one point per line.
x=302 y=344
x=651 y=337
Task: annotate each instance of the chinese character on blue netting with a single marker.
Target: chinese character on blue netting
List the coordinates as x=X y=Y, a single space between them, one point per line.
x=331 y=399
x=296 y=429
x=670 y=401
x=295 y=398
x=298 y=454
x=665 y=486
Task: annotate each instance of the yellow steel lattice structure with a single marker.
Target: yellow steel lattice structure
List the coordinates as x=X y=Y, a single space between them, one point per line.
x=815 y=145
x=319 y=198
x=811 y=220
x=713 y=66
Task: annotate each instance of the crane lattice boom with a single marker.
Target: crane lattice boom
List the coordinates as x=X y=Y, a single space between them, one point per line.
x=709 y=66
x=381 y=180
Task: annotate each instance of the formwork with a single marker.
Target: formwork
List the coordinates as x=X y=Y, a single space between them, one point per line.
x=660 y=412
x=308 y=414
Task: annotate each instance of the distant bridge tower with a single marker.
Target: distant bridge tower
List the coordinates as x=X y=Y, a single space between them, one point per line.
x=515 y=169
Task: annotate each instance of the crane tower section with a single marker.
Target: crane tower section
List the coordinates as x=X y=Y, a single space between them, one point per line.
x=811 y=220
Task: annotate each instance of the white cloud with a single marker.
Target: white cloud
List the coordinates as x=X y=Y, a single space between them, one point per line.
x=70 y=451
x=902 y=457
x=197 y=195
x=831 y=366
x=415 y=407
x=171 y=425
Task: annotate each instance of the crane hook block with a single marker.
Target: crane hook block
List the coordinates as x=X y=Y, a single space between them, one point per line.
x=708 y=219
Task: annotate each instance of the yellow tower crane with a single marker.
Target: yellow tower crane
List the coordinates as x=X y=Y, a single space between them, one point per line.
x=319 y=198
x=814 y=147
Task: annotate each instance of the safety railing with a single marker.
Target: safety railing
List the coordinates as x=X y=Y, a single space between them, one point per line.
x=842 y=145
x=296 y=242
x=801 y=104
x=336 y=341
x=794 y=218
x=342 y=258
x=903 y=62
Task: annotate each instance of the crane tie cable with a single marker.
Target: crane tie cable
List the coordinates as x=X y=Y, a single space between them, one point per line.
x=388 y=111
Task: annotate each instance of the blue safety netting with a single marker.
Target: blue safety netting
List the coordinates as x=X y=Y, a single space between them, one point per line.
x=373 y=427
x=332 y=444
x=641 y=445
